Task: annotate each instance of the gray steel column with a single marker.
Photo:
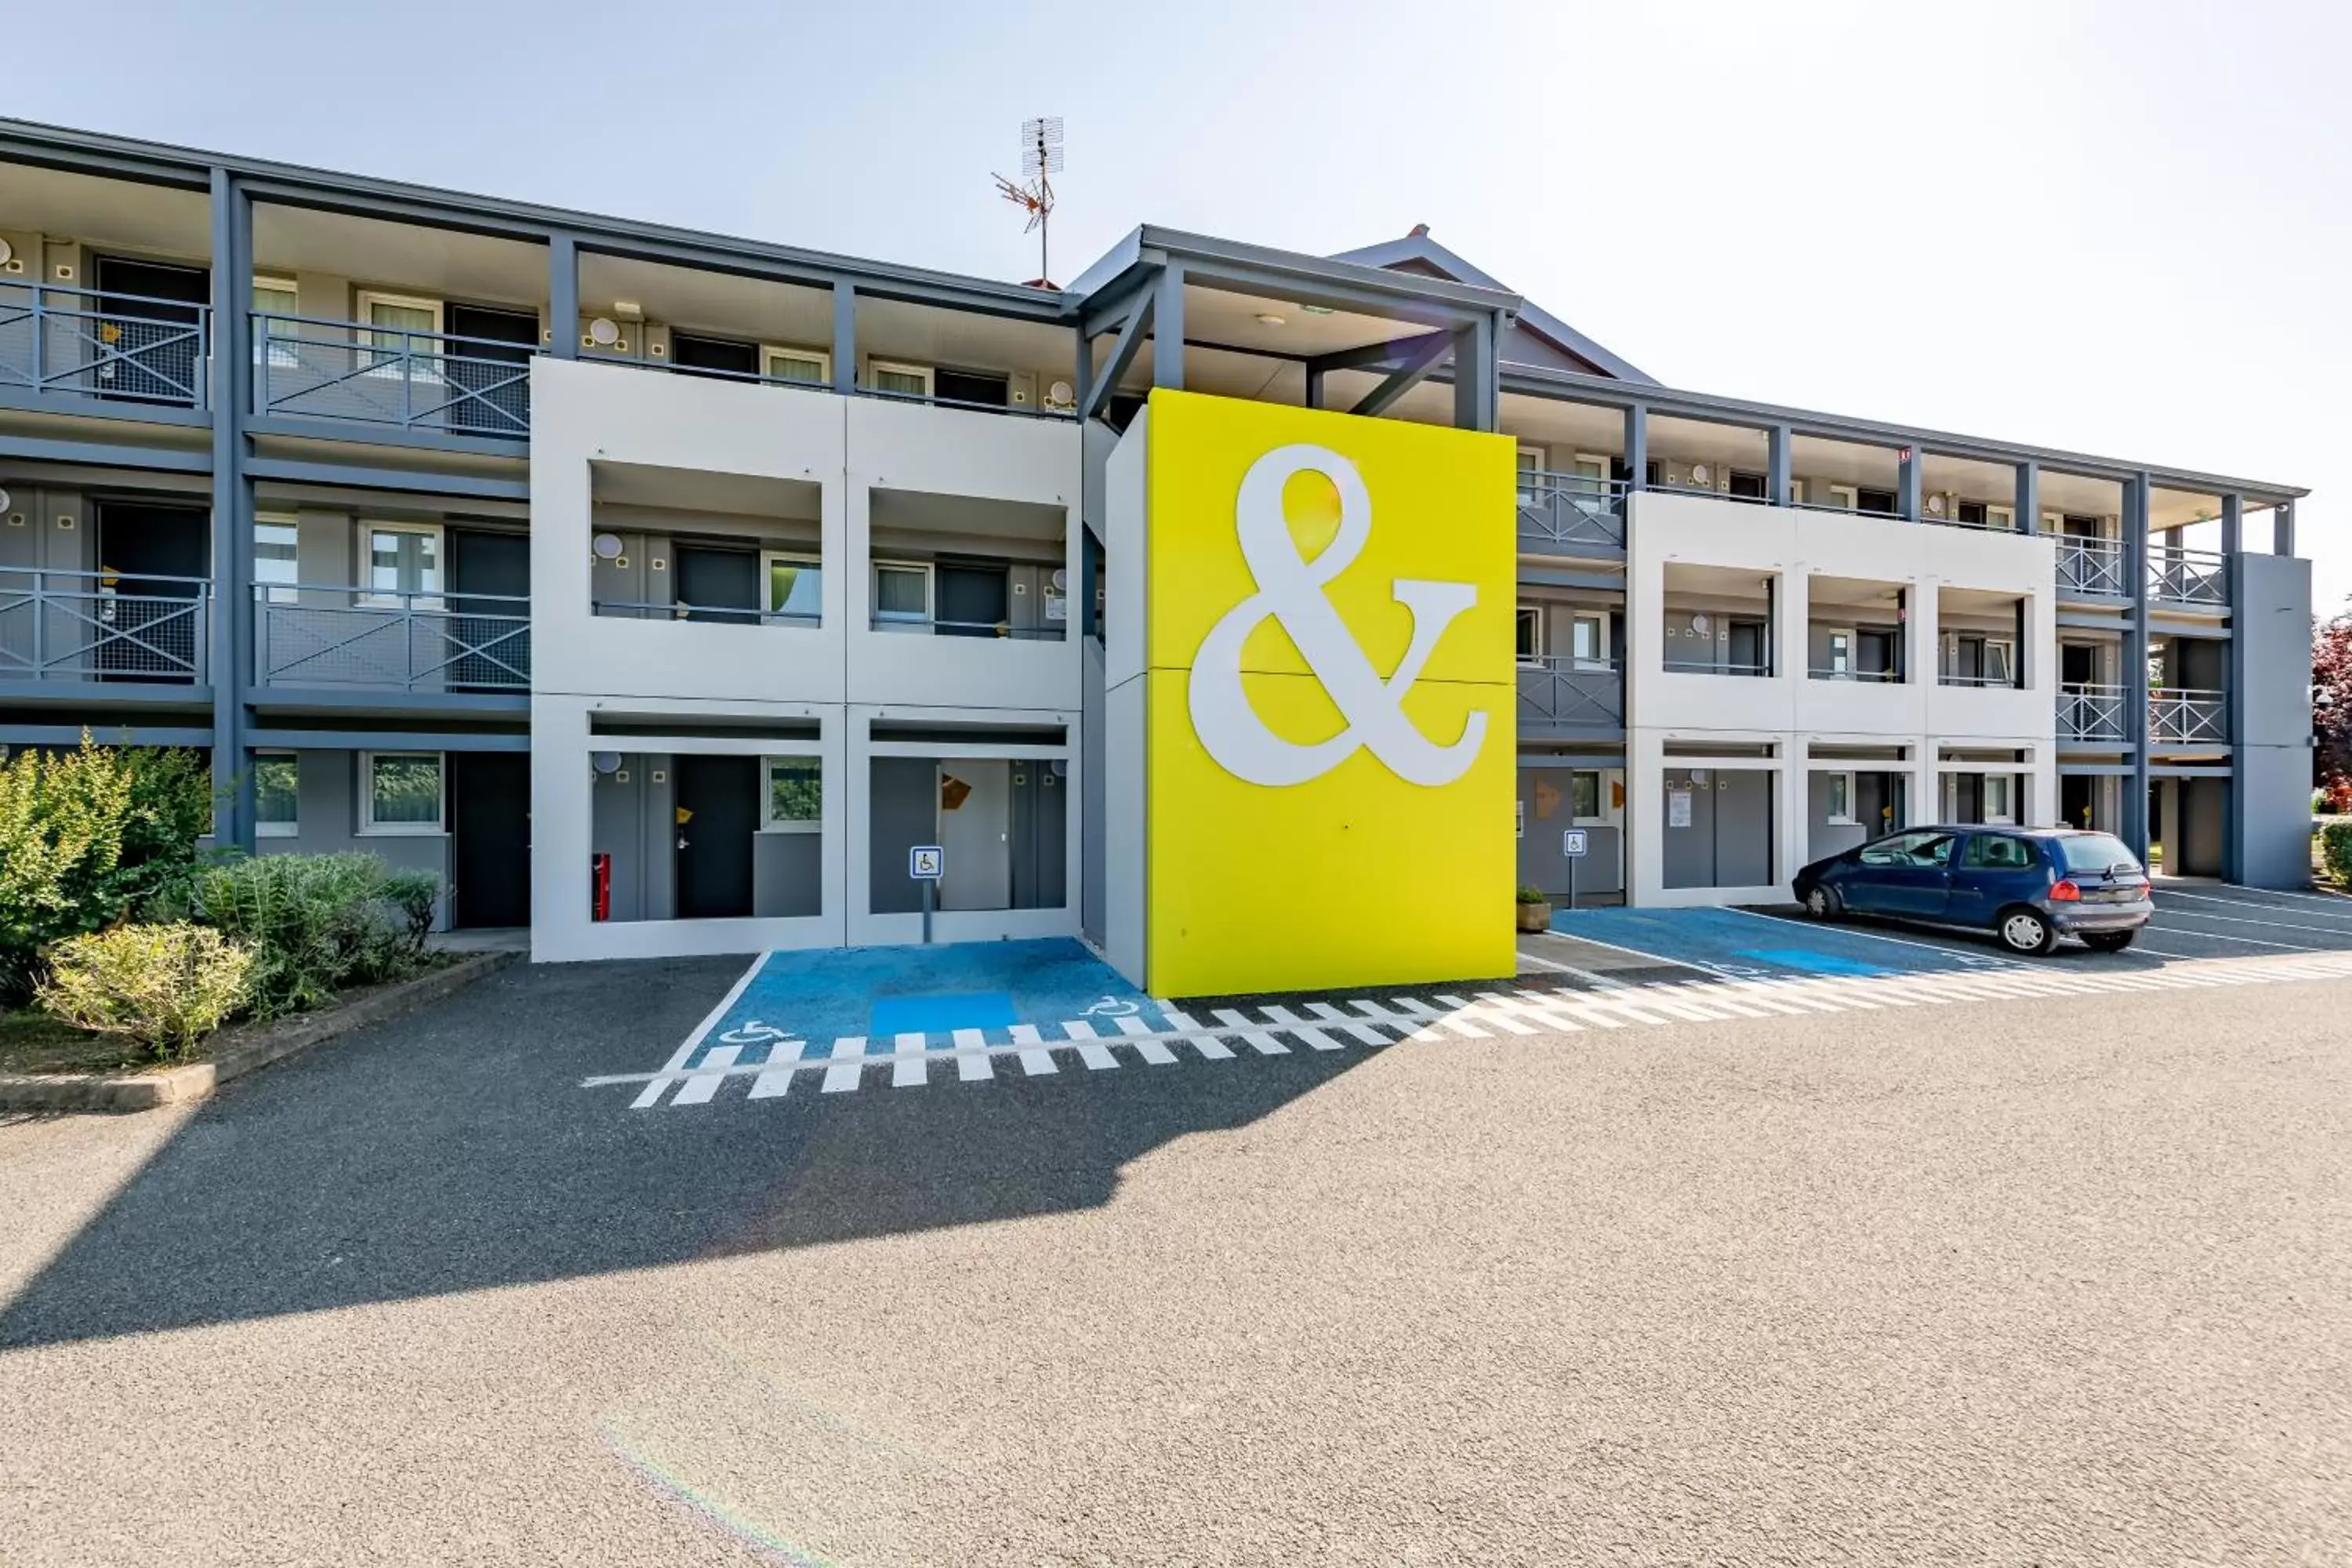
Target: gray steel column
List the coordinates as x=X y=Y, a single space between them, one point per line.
x=1906 y=484
x=1778 y=442
x=2283 y=529
x=2233 y=699
x=1637 y=445
x=563 y=297
x=231 y=669
x=1168 y=329
x=2135 y=639
x=1314 y=387
x=1477 y=398
x=2028 y=508
x=845 y=339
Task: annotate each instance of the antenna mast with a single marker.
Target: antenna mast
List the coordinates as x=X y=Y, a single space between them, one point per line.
x=1041 y=158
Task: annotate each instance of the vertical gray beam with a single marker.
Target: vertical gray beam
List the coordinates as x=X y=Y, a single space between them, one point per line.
x=563 y=297
x=231 y=656
x=2283 y=529
x=1906 y=484
x=1168 y=329
x=2233 y=527
x=1637 y=445
x=2237 y=687
x=2136 y=641
x=1089 y=568
x=1478 y=401
x=1314 y=386
x=1777 y=475
x=845 y=338
x=2028 y=506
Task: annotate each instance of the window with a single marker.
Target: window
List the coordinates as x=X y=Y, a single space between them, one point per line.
x=1996 y=852
x=794 y=802
x=1748 y=486
x=1531 y=646
x=2000 y=661
x=902 y=380
x=2097 y=852
x=1970 y=514
x=400 y=792
x=1837 y=653
x=274 y=556
x=902 y=593
x=404 y=565
x=803 y=367
x=273 y=339
x=2000 y=798
x=1531 y=463
x=795 y=586
x=1590 y=473
x=1584 y=796
x=2000 y=517
x=1840 y=795
x=1589 y=641
x=1924 y=851
x=277 y=794
x=406 y=333
x=1844 y=496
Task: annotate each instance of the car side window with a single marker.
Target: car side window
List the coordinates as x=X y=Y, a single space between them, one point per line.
x=1932 y=851
x=1895 y=851
x=1997 y=852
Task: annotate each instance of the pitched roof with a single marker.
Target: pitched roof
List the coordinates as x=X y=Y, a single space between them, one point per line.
x=1416 y=252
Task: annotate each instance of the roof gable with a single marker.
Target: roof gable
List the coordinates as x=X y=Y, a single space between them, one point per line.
x=1542 y=338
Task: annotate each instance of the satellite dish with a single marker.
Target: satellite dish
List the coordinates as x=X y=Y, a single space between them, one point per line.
x=607 y=546
x=604 y=331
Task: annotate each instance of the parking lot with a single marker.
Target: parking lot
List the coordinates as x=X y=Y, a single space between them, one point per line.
x=2193 y=921
x=1857 y=1236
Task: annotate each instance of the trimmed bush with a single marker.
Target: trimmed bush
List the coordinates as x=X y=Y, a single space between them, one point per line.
x=87 y=836
x=318 y=922
x=2336 y=851
x=165 y=986
x=1534 y=895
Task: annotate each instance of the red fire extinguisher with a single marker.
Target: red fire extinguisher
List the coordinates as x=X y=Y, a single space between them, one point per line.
x=601 y=886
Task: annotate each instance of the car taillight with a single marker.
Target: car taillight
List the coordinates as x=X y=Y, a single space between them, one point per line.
x=2147 y=890
x=2064 y=891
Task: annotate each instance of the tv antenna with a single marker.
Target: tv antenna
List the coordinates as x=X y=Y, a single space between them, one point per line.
x=1041 y=158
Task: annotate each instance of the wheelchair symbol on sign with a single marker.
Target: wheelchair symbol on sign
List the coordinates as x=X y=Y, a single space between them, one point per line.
x=1112 y=1007
x=755 y=1033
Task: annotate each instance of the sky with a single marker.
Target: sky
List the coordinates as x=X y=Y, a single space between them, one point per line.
x=2117 y=228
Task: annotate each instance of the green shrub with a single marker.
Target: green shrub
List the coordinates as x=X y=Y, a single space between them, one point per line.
x=165 y=986
x=2336 y=851
x=1534 y=895
x=87 y=836
x=317 y=922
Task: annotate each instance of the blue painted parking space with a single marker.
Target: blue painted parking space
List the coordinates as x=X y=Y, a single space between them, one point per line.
x=796 y=1005
x=1739 y=942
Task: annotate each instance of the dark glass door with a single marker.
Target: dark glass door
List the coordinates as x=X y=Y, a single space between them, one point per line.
x=146 y=340
x=489 y=831
x=490 y=377
x=719 y=799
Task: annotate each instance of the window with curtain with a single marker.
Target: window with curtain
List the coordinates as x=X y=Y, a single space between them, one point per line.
x=807 y=370
x=274 y=557
x=904 y=381
x=902 y=593
x=404 y=561
x=795 y=587
x=402 y=330
x=273 y=339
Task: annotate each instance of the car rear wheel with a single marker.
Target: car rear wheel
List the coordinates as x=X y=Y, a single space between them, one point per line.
x=2108 y=940
x=2022 y=930
x=1824 y=903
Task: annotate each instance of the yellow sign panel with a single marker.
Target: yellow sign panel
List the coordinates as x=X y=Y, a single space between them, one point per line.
x=1329 y=643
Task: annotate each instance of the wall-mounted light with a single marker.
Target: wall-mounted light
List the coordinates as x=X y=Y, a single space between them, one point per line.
x=1269 y=319
x=607 y=546
x=604 y=331
x=606 y=762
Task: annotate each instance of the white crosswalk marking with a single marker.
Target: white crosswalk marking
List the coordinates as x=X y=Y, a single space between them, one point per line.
x=848 y=1053
x=974 y=1063
x=1520 y=1011
x=1091 y=1051
x=1034 y=1058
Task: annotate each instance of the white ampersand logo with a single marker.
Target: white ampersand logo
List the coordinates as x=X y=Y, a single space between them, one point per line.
x=1290 y=590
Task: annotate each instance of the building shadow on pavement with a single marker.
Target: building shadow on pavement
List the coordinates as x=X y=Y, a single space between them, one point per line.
x=454 y=1150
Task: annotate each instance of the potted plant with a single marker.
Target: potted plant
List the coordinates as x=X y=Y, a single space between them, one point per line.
x=1534 y=910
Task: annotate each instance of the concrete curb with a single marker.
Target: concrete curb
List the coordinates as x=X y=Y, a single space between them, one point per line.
x=243 y=1049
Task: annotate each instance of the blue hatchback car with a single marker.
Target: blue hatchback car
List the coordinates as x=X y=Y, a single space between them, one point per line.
x=2029 y=887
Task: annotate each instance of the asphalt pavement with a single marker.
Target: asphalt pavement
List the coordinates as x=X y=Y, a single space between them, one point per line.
x=2008 y=1280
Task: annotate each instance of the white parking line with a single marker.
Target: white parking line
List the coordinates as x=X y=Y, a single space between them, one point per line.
x=1034 y=1058
x=1977 y=959
x=684 y=1053
x=2248 y=941
x=698 y=1089
x=1091 y=1051
x=2337 y=899
x=842 y=1076
x=2243 y=920
x=909 y=1070
x=976 y=1066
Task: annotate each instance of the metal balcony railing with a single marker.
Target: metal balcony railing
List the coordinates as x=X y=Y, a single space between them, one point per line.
x=311 y=635
x=2175 y=714
x=320 y=369
x=92 y=625
x=1564 y=511
x=2091 y=712
x=79 y=342
x=2092 y=566
x=1872 y=677
x=924 y=626
x=2188 y=577
x=679 y=610
x=1562 y=691
x=1715 y=667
